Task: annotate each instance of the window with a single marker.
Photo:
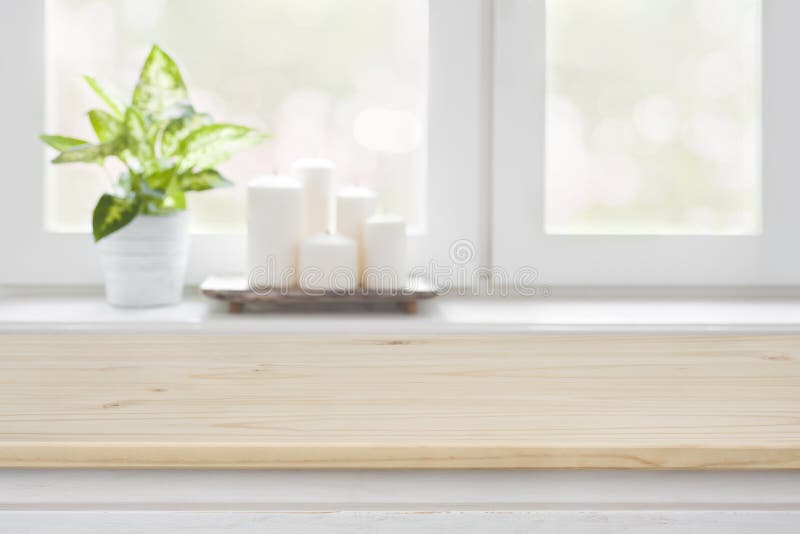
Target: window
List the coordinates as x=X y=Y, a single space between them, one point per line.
x=392 y=90
x=614 y=143
x=338 y=79
x=632 y=145
x=653 y=117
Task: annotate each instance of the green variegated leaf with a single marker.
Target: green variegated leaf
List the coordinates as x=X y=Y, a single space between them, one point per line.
x=177 y=110
x=105 y=125
x=161 y=179
x=203 y=180
x=160 y=90
x=108 y=128
x=90 y=153
x=59 y=142
x=114 y=104
x=139 y=143
x=127 y=157
x=113 y=213
x=178 y=129
x=149 y=193
x=163 y=193
x=210 y=145
x=173 y=199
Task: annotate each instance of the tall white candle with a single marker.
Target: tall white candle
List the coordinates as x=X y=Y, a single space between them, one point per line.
x=274 y=230
x=354 y=205
x=316 y=175
x=328 y=262
x=385 y=255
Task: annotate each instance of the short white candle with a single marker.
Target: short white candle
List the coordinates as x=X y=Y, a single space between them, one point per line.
x=316 y=175
x=354 y=205
x=274 y=229
x=328 y=262
x=385 y=254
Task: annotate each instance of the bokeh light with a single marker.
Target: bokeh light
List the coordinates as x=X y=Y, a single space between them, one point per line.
x=304 y=71
x=653 y=117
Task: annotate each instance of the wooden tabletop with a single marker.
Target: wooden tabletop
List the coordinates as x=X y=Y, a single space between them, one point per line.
x=489 y=401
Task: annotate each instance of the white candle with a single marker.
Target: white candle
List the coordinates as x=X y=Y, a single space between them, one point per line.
x=274 y=229
x=328 y=262
x=385 y=261
x=354 y=205
x=316 y=175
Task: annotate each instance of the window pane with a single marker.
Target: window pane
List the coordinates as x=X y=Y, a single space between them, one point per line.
x=653 y=117
x=342 y=79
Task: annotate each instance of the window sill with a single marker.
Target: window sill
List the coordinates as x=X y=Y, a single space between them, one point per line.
x=85 y=311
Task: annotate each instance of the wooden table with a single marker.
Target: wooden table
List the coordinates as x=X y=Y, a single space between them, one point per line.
x=488 y=401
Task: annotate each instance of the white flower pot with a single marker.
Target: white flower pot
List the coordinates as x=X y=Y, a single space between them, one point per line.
x=144 y=263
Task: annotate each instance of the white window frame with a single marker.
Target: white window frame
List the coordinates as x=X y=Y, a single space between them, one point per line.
x=485 y=178
x=458 y=140
x=518 y=234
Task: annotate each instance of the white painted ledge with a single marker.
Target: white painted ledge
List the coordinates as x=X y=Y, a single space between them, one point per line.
x=29 y=489
x=86 y=311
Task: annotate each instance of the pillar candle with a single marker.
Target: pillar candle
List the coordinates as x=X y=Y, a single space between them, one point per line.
x=316 y=175
x=385 y=255
x=274 y=229
x=354 y=205
x=328 y=262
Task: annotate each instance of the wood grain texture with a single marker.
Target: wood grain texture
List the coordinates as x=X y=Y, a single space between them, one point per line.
x=490 y=401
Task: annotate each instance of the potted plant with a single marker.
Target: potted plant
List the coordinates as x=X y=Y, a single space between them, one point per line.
x=167 y=149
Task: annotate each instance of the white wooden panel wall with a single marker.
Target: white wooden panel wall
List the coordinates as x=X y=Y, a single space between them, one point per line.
x=287 y=502
x=545 y=522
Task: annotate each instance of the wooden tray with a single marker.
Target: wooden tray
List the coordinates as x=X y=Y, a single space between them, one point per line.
x=236 y=292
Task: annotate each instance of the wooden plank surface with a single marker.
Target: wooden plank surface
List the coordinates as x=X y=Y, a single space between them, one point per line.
x=501 y=401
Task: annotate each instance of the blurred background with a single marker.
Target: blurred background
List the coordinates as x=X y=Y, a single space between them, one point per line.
x=653 y=117
x=653 y=107
x=341 y=79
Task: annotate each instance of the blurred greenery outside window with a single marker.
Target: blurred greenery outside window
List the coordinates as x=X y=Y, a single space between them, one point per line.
x=653 y=117
x=341 y=79
x=653 y=107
